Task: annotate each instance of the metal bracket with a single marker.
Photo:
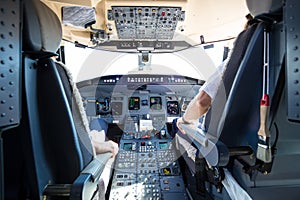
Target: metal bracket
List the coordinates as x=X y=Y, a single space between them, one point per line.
x=292 y=18
x=144 y=59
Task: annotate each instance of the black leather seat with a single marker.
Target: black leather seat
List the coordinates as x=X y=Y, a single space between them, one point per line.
x=245 y=59
x=60 y=160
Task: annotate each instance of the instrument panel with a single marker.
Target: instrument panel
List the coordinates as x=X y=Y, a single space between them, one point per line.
x=156 y=98
x=114 y=109
x=146 y=166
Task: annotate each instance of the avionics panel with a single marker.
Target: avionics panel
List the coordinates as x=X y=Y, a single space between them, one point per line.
x=163 y=98
x=145 y=22
x=147 y=169
x=144 y=106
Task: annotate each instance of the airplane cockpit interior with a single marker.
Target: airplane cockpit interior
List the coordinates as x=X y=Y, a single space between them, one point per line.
x=107 y=99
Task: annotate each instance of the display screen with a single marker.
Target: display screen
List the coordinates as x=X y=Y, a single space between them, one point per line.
x=134 y=103
x=127 y=146
x=172 y=108
x=116 y=108
x=103 y=106
x=155 y=103
x=164 y=145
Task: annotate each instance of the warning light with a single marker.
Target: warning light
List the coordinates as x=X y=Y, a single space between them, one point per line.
x=167 y=171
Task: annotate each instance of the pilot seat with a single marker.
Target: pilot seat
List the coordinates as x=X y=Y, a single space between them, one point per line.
x=60 y=159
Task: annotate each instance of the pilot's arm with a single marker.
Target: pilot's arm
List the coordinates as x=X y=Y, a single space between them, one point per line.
x=196 y=108
x=202 y=101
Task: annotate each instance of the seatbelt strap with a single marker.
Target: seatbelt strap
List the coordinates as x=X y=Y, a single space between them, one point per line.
x=264 y=147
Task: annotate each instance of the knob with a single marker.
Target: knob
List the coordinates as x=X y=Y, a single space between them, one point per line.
x=131 y=176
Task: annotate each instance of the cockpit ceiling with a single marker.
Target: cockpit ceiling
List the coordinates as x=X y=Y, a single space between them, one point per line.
x=149 y=20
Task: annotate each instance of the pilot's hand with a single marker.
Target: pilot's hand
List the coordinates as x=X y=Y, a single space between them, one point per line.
x=107 y=146
x=115 y=148
x=179 y=122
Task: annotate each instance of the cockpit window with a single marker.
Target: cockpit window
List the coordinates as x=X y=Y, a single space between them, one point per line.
x=89 y=63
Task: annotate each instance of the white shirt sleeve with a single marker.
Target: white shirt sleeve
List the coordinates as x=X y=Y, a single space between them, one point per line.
x=213 y=82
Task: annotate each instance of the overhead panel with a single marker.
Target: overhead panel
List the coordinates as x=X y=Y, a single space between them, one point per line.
x=146 y=22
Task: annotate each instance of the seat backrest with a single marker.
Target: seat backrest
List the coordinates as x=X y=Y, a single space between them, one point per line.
x=246 y=57
x=243 y=89
x=234 y=117
x=60 y=144
x=239 y=122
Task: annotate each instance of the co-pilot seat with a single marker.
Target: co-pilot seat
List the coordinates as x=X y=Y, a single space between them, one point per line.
x=242 y=57
x=60 y=161
x=234 y=115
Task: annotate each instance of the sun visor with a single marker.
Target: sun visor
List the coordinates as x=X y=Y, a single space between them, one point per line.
x=78 y=16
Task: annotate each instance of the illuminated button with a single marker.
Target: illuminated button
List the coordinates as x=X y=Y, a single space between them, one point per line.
x=131 y=176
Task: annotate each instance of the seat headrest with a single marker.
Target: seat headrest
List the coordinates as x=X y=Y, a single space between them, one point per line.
x=42 y=29
x=257 y=8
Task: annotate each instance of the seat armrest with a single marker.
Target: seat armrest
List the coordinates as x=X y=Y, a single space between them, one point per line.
x=97 y=165
x=85 y=185
x=214 y=151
